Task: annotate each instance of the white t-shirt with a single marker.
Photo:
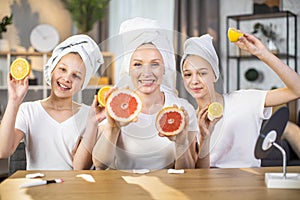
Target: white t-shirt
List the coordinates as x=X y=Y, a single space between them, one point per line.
x=234 y=137
x=140 y=147
x=49 y=144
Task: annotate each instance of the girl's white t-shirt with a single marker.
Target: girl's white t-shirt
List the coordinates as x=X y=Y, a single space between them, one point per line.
x=48 y=143
x=234 y=137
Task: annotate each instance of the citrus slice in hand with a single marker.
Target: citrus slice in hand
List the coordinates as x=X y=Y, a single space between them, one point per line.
x=170 y=121
x=102 y=94
x=215 y=110
x=20 y=68
x=123 y=105
x=234 y=34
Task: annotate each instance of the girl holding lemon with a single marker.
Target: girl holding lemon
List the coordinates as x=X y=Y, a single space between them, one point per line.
x=51 y=128
x=228 y=140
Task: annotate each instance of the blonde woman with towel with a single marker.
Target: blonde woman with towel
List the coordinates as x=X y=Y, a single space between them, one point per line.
x=229 y=141
x=52 y=127
x=149 y=68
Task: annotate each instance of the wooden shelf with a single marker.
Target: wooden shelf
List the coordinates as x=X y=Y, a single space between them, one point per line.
x=106 y=70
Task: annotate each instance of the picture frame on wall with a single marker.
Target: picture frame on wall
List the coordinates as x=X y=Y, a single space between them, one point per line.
x=266 y=6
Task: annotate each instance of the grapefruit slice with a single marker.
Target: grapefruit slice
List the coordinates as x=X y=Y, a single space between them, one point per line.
x=123 y=105
x=234 y=34
x=215 y=110
x=102 y=94
x=20 y=68
x=170 y=121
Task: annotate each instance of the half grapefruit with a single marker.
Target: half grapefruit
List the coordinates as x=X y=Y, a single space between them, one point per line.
x=123 y=105
x=170 y=121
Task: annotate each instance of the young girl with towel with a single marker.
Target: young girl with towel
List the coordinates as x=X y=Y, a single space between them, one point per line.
x=52 y=127
x=229 y=141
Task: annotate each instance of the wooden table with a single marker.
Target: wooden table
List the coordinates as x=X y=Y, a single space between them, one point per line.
x=206 y=184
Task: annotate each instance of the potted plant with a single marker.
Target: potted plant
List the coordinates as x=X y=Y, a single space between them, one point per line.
x=6 y=20
x=86 y=12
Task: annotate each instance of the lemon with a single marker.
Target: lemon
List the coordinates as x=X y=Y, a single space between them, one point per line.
x=20 y=68
x=234 y=34
x=215 y=110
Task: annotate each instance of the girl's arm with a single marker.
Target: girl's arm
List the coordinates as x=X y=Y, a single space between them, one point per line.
x=290 y=78
x=9 y=136
x=83 y=151
x=206 y=128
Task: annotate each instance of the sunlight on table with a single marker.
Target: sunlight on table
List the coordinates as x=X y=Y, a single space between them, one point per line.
x=156 y=188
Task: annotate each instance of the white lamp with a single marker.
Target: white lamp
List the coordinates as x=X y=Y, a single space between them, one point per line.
x=266 y=140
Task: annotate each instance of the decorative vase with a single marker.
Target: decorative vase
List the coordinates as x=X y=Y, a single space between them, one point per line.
x=4 y=45
x=272 y=46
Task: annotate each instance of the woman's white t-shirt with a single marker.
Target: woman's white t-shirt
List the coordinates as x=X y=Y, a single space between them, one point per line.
x=140 y=147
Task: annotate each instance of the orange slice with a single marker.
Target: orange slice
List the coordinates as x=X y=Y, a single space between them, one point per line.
x=20 y=68
x=123 y=105
x=102 y=94
x=234 y=34
x=170 y=121
x=215 y=110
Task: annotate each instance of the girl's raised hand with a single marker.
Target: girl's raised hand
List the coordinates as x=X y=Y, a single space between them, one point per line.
x=97 y=113
x=17 y=89
x=251 y=44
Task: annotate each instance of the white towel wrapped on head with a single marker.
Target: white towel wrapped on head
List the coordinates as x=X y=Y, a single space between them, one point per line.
x=137 y=31
x=202 y=46
x=85 y=46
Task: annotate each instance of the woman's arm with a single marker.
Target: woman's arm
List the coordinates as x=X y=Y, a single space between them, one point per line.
x=289 y=77
x=186 y=156
x=185 y=145
x=105 y=147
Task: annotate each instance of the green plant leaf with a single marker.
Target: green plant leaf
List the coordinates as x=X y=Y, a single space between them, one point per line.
x=6 y=20
x=86 y=12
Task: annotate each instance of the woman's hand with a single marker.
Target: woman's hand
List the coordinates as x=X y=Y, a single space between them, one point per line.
x=180 y=138
x=17 y=89
x=111 y=121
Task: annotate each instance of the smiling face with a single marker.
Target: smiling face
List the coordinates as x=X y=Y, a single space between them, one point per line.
x=146 y=69
x=198 y=77
x=68 y=75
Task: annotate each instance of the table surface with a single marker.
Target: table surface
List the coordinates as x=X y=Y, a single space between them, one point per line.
x=244 y=183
